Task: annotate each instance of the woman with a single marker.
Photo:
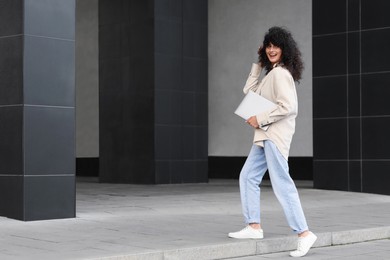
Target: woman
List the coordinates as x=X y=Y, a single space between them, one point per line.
x=274 y=129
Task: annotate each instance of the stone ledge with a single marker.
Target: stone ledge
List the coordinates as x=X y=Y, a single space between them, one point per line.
x=258 y=247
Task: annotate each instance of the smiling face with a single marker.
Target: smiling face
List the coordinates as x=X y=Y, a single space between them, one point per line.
x=274 y=53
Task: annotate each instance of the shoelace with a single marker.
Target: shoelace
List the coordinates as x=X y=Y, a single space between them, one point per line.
x=245 y=228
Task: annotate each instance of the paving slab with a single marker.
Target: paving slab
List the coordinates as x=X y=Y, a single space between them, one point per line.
x=188 y=221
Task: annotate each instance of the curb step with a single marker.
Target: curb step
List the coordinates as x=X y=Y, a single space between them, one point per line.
x=257 y=247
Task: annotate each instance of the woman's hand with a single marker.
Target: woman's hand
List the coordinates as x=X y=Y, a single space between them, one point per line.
x=252 y=121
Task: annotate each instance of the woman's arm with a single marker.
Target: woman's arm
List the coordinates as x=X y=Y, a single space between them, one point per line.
x=285 y=98
x=253 y=79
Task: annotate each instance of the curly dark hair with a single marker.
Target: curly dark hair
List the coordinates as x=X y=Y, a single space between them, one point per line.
x=291 y=55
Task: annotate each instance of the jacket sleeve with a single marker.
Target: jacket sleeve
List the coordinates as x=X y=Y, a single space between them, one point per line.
x=253 y=79
x=285 y=98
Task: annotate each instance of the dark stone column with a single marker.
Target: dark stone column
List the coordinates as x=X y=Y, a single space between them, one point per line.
x=181 y=100
x=126 y=91
x=153 y=91
x=37 y=160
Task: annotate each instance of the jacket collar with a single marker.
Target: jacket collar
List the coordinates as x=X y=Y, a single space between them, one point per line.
x=279 y=64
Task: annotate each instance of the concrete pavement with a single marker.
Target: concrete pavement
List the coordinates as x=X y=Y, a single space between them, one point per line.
x=188 y=221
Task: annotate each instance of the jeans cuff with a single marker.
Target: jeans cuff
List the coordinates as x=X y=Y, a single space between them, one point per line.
x=249 y=221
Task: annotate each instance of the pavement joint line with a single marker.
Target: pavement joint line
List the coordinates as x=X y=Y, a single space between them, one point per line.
x=257 y=247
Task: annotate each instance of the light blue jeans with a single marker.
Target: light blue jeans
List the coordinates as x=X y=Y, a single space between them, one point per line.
x=259 y=160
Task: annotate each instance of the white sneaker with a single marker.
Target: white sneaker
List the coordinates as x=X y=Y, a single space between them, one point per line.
x=304 y=245
x=247 y=232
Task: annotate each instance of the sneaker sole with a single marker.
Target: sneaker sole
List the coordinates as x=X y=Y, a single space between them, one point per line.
x=245 y=237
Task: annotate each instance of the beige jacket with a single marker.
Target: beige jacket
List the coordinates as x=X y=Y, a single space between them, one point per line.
x=277 y=125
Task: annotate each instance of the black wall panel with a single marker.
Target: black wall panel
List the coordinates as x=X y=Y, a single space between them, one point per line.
x=375 y=91
x=351 y=69
x=11 y=68
x=375 y=50
x=332 y=52
x=153 y=91
x=374 y=14
x=330 y=92
x=11 y=14
x=331 y=174
x=330 y=139
x=329 y=16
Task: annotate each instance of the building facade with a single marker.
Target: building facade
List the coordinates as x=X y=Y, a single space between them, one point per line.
x=144 y=92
